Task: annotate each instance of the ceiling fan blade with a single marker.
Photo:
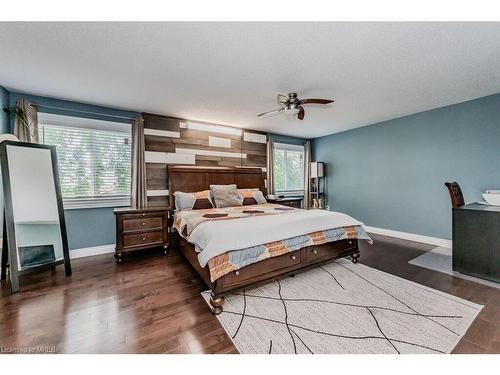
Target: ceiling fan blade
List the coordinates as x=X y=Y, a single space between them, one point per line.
x=274 y=110
x=282 y=99
x=315 y=101
x=301 y=113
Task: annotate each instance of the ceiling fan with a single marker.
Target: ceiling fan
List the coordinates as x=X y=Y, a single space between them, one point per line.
x=292 y=105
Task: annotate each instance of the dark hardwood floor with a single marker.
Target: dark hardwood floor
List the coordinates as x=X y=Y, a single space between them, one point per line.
x=152 y=304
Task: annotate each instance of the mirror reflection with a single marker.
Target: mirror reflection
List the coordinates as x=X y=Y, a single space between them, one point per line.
x=34 y=205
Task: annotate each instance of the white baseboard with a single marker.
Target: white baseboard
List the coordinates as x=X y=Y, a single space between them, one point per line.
x=91 y=251
x=410 y=236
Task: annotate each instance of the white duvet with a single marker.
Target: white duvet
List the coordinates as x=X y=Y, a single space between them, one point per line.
x=216 y=237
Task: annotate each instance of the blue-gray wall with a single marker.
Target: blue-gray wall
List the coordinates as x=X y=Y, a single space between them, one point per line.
x=91 y=226
x=391 y=174
x=4 y=117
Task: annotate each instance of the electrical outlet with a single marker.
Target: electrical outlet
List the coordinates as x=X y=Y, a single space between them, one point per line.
x=327 y=208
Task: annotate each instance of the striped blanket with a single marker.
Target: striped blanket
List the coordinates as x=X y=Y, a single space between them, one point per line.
x=236 y=259
x=214 y=249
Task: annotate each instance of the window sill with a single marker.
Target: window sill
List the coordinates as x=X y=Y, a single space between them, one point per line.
x=82 y=203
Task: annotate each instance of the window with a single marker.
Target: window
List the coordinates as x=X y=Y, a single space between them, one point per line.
x=288 y=168
x=94 y=159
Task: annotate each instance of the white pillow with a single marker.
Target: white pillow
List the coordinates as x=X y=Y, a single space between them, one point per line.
x=226 y=196
x=195 y=201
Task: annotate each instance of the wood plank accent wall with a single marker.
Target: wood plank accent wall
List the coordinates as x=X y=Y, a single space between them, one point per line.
x=169 y=141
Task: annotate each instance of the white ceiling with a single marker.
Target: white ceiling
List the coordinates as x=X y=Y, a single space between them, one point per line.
x=227 y=73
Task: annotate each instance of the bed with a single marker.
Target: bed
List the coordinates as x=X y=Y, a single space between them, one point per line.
x=234 y=248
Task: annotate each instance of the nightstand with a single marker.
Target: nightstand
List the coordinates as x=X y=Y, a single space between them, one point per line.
x=140 y=229
x=295 y=202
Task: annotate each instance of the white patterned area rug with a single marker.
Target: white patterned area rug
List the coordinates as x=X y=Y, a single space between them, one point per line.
x=345 y=308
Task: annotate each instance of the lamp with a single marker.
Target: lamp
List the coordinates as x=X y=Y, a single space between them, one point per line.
x=291 y=110
x=316 y=173
x=317 y=169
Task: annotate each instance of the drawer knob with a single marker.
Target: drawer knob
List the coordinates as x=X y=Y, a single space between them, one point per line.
x=350 y=242
x=294 y=257
x=143 y=214
x=315 y=252
x=144 y=238
x=143 y=224
x=237 y=273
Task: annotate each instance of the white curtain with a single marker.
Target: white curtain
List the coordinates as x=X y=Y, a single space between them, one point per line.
x=307 y=179
x=26 y=121
x=270 y=172
x=138 y=193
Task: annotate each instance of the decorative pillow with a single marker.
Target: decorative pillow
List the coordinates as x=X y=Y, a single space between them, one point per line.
x=195 y=201
x=252 y=196
x=226 y=196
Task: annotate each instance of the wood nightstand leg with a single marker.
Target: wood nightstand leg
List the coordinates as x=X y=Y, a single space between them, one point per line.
x=119 y=258
x=354 y=257
x=165 y=249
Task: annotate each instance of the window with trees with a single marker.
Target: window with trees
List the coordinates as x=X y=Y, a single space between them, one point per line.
x=288 y=168
x=94 y=159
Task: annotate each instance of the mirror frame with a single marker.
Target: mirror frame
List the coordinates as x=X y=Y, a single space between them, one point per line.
x=9 y=245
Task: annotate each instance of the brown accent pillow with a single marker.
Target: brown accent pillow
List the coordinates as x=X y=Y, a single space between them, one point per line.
x=252 y=196
x=248 y=201
x=226 y=196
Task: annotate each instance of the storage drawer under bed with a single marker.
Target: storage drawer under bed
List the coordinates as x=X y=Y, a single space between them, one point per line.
x=319 y=253
x=268 y=265
x=288 y=262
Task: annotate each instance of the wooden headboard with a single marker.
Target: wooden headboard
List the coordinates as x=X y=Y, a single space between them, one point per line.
x=192 y=179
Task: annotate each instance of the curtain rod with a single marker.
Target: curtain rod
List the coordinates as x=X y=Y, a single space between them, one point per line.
x=80 y=111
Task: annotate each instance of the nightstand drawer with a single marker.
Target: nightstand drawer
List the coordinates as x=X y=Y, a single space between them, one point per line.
x=145 y=223
x=140 y=239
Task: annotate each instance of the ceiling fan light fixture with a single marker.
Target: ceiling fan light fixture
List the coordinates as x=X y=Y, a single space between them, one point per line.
x=292 y=106
x=291 y=111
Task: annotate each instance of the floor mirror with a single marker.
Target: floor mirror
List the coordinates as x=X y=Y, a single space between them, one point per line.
x=34 y=230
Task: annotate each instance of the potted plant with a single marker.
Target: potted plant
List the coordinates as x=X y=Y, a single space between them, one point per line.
x=22 y=117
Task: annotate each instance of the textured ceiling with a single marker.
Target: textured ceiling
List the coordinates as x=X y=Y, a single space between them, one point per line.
x=227 y=73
